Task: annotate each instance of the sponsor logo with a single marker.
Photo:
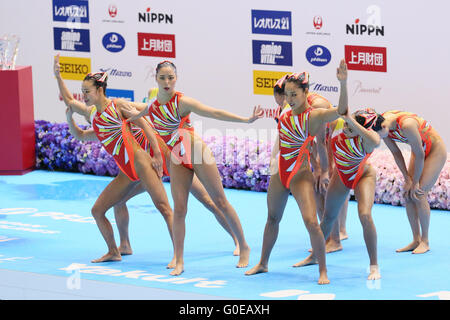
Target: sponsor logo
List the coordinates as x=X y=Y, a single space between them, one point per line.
x=71 y=39
x=358 y=28
x=366 y=58
x=120 y=94
x=74 y=68
x=317 y=23
x=140 y=275
x=71 y=10
x=112 y=72
x=264 y=81
x=272 y=22
x=156 y=45
x=270 y=113
x=155 y=17
x=361 y=89
x=318 y=56
x=113 y=42
x=272 y=52
x=320 y=87
x=112 y=11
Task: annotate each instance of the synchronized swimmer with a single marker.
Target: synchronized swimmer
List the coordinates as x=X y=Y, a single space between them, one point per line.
x=320 y=154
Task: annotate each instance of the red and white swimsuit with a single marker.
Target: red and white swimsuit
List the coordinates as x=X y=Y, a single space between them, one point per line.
x=424 y=129
x=294 y=142
x=111 y=130
x=350 y=158
x=173 y=128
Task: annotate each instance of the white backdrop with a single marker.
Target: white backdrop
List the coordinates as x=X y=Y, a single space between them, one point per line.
x=213 y=41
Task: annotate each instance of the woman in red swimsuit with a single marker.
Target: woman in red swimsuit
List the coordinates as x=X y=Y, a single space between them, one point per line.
x=297 y=128
x=127 y=144
x=189 y=155
x=351 y=149
x=321 y=162
x=428 y=157
x=121 y=214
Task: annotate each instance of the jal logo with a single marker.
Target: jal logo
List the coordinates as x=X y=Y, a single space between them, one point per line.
x=113 y=42
x=71 y=10
x=318 y=55
x=317 y=22
x=112 y=10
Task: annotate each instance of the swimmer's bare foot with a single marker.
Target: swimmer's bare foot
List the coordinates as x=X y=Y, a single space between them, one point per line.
x=374 y=273
x=243 y=257
x=110 y=256
x=172 y=263
x=259 y=268
x=311 y=259
x=413 y=245
x=125 y=250
x=422 y=247
x=333 y=246
x=179 y=269
x=323 y=278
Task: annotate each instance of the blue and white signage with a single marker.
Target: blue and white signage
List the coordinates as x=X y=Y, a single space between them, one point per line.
x=71 y=11
x=119 y=93
x=71 y=39
x=275 y=53
x=113 y=42
x=318 y=55
x=272 y=22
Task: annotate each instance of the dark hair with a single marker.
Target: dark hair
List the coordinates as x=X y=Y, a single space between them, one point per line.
x=300 y=79
x=164 y=64
x=279 y=85
x=369 y=119
x=100 y=80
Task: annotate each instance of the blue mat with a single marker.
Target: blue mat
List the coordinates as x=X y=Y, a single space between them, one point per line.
x=46 y=228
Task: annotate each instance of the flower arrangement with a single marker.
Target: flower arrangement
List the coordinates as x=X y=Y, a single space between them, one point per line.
x=390 y=181
x=57 y=149
x=242 y=163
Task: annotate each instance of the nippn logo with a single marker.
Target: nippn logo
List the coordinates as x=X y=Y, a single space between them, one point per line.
x=74 y=68
x=264 y=81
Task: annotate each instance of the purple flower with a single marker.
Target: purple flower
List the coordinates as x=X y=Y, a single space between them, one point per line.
x=242 y=163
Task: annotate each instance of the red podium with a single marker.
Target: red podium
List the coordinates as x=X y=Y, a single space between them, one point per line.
x=17 y=138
